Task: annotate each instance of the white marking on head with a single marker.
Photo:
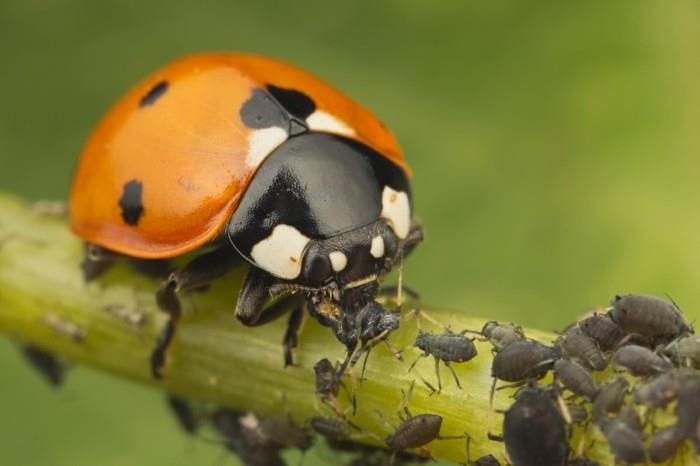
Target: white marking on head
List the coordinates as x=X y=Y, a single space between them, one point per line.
x=327 y=123
x=377 y=248
x=281 y=252
x=396 y=210
x=262 y=142
x=338 y=260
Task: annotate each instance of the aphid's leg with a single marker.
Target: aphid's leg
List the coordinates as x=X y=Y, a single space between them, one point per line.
x=437 y=374
x=197 y=273
x=412 y=368
x=97 y=261
x=46 y=364
x=489 y=420
x=291 y=334
x=419 y=314
x=454 y=374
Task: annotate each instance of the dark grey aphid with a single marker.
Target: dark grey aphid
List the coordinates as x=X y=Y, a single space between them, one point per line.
x=486 y=460
x=649 y=316
x=326 y=381
x=688 y=407
x=630 y=416
x=625 y=443
x=533 y=430
x=582 y=462
x=502 y=335
x=414 y=432
x=664 y=444
x=577 y=345
x=523 y=360
x=685 y=351
x=578 y=413
x=280 y=431
x=47 y=364
x=447 y=347
x=610 y=399
x=237 y=436
x=603 y=330
x=658 y=392
x=576 y=378
x=332 y=429
x=641 y=361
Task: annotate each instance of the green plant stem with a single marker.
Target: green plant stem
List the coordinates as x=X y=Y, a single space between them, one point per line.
x=214 y=357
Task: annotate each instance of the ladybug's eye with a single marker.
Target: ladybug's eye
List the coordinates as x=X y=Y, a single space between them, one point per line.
x=317 y=267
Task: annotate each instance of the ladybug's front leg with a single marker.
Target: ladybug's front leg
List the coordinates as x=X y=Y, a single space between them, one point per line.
x=196 y=274
x=251 y=309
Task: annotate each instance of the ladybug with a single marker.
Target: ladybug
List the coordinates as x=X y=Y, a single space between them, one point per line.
x=245 y=158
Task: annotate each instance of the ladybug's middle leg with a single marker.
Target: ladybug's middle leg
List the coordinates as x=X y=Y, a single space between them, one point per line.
x=199 y=272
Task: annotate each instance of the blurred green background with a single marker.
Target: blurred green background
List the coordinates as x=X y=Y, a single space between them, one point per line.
x=554 y=146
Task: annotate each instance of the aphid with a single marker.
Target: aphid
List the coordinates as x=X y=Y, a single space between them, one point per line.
x=186 y=416
x=414 y=432
x=47 y=364
x=331 y=429
x=576 y=378
x=131 y=316
x=664 y=444
x=658 y=392
x=65 y=327
x=630 y=416
x=688 y=407
x=523 y=360
x=649 y=316
x=502 y=335
x=533 y=430
x=327 y=384
x=237 y=438
x=640 y=361
x=685 y=351
x=447 y=347
x=486 y=460
x=625 y=443
x=577 y=345
x=582 y=462
x=578 y=413
x=49 y=208
x=609 y=399
x=603 y=330
x=370 y=326
x=277 y=431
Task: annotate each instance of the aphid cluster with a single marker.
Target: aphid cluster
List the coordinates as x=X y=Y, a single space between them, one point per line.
x=649 y=343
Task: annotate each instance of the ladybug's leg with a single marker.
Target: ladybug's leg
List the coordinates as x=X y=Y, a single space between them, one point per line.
x=47 y=364
x=291 y=334
x=252 y=311
x=201 y=271
x=97 y=261
x=185 y=414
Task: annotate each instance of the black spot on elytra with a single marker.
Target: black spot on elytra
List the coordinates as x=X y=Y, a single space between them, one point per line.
x=296 y=103
x=130 y=202
x=154 y=94
x=261 y=111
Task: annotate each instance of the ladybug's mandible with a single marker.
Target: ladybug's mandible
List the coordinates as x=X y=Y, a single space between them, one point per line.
x=257 y=160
